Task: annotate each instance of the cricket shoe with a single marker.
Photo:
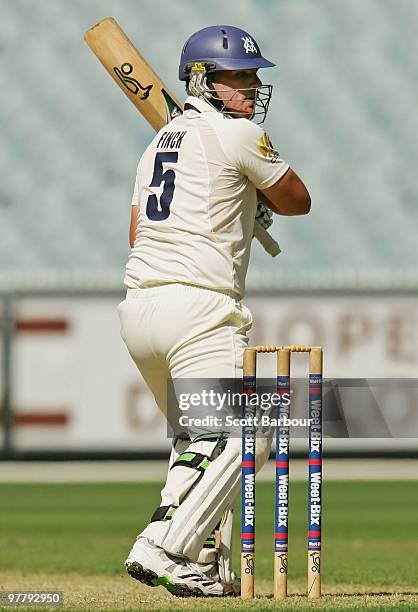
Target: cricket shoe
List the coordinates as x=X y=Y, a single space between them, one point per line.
x=151 y=565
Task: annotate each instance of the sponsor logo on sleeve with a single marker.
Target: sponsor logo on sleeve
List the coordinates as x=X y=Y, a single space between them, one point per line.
x=266 y=148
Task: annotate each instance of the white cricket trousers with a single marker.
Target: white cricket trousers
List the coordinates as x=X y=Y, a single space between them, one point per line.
x=180 y=331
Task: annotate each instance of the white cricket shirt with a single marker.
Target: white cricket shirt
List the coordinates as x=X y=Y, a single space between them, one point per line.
x=196 y=188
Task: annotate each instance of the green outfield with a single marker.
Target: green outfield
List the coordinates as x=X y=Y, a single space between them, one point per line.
x=74 y=538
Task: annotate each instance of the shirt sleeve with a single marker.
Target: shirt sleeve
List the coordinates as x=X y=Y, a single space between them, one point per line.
x=253 y=154
x=136 y=196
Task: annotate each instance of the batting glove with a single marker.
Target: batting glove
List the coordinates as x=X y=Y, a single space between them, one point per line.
x=264 y=215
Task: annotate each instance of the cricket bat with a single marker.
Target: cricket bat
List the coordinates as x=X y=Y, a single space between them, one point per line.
x=144 y=88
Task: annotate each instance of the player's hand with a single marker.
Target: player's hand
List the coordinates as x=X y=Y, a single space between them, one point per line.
x=264 y=215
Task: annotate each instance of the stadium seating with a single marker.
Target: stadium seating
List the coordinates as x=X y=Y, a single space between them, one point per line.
x=343 y=114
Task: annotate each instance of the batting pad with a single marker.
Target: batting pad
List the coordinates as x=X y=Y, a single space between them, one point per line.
x=202 y=509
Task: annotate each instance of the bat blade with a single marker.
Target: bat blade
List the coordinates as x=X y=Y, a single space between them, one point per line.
x=132 y=73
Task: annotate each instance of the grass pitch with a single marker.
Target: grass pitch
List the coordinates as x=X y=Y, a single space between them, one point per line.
x=75 y=537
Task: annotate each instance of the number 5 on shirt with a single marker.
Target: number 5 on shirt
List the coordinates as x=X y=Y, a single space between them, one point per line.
x=159 y=210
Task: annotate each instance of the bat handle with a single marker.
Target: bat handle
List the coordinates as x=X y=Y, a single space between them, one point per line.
x=264 y=238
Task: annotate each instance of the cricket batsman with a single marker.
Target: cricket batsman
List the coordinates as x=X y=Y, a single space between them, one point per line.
x=199 y=186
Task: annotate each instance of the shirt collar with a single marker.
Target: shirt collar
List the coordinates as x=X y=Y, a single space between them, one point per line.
x=200 y=105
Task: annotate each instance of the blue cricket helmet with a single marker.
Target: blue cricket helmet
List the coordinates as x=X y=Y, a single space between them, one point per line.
x=221 y=47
